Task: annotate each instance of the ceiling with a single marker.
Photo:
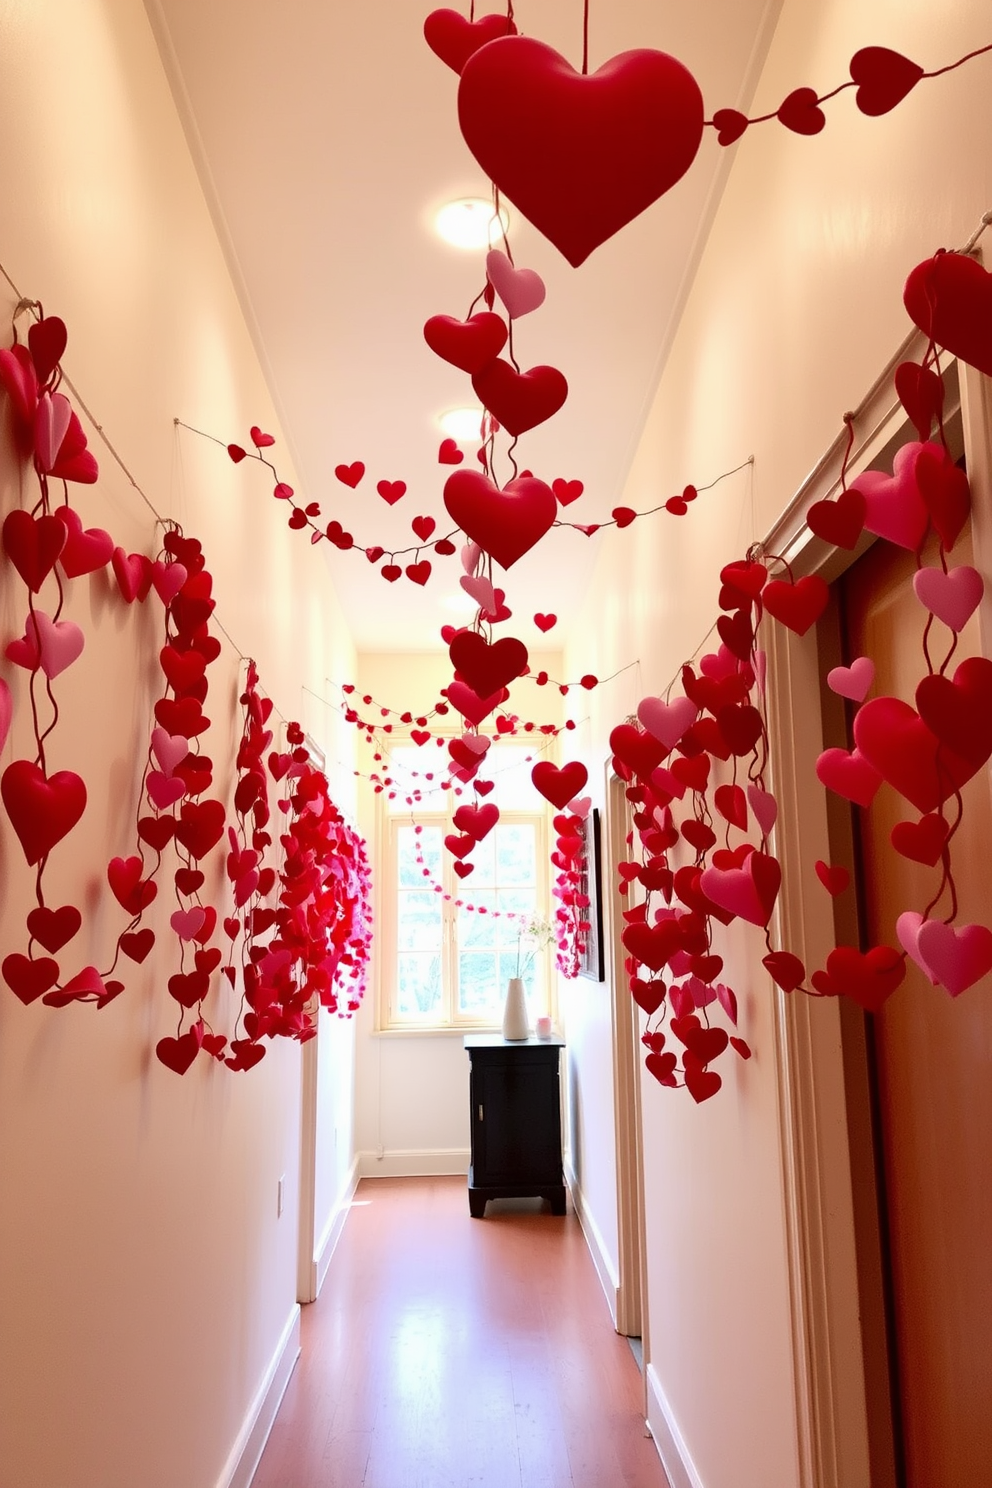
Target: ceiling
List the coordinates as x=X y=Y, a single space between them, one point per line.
x=326 y=135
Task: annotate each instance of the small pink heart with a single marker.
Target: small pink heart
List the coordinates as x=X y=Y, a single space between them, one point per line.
x=764 y=807
x=953 y=596
x=51 y=644
x=760 y=663
x=168 y=749
x=908 y=927
x=480 y=590
x=470 y=555
x=667 y=722
x=955 y=957
x=580 y=806
x=853 y=681
x=894 y=508
x=187 y=923
x=664 y=780
x=164 y=790
x=168 y=579
x=51 y=420
x=718 y=665
x=477 y=743
x=521 y=290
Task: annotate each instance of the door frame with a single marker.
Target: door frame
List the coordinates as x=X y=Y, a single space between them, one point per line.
x=831 y=1410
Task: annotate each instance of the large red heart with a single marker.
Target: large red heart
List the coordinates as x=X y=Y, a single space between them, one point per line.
x=893 y=737
x=559 y=786
x=840 y=522
x=84 y=552
x=486 y=668
x=520 y=400
x=54 y=928
x=579 y=155
x=653 y=945
x=894 y=508
x=959 y=712
x=454 y=39
x=949 y=297
x=884 y=78
x=33 y=545
x=923 y=841
x=476 y=821
x=177 y=1054
x=868 y=977
x=467 y=344
x=470 y=705
x=42 y=811
x=797 y=605
x=641 y=752
x=200 y=827
x=28 y=980
x=505 y=524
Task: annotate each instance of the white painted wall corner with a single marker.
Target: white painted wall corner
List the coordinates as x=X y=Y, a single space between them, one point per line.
x=434 y=1162
x=245 y=1455
x=672 y=1450
x=605 y=1269
x=326 y=1245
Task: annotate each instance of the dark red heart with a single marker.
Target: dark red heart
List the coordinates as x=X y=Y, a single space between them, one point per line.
x=921 y=392
x=33 y=545
x=898 y=744
x=800 y=112
x=391 y=492
x=959 y=712
x=470 y=705
x=946 y=493
x=29 y=980
x=884 y=78
x=505 y=523
x=468 y=344
x=487 y=667
x=200 y=827
x=923 y=841
x=579 y=155
x=454 y=39
x=949 y=297
x=868 y=977
x=559 y=785
x=641 y=751
x=42 y=810
x=47 y=342
x=137 y=943
x=520 y=400
x=350 y=475
x=785 y=970
x=840 y=522
x=797 y=605
x=54 y=928
x=177 y=1054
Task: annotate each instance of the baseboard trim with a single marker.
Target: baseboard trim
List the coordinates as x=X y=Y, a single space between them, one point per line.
x=672 y=1450
x=605 y=1270
x=332 y=1232
x=435 y=1162
x=245 y=1455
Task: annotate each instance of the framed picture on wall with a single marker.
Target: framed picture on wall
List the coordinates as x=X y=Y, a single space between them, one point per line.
x=592 y=962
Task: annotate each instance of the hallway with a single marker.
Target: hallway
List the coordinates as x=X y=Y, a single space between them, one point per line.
x=445 y=1352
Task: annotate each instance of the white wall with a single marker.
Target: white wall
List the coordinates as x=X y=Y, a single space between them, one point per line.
x=795 y=310
x=145 y=1280
x=412 y=1088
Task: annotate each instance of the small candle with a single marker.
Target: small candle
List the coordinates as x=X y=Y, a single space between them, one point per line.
x=544 y=1028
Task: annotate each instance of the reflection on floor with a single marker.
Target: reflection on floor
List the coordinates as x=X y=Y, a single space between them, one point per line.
x=446 y=1351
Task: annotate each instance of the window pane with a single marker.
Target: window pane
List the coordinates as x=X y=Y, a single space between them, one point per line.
x=479 y=993
x=410 y=875
x=478 y=931
x=408 y=767
x=418 y=922
x=418 y=985
x=516 y=855
x=511 y=772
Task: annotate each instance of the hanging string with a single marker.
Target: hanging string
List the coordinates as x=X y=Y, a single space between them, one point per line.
x=585 y=37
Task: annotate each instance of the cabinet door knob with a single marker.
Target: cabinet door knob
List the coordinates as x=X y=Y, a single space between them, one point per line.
x=481 y=1117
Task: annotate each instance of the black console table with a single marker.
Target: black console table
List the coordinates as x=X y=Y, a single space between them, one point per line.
x=516 y=1121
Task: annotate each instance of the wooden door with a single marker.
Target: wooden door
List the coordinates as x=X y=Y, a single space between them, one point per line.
x=933 y=1082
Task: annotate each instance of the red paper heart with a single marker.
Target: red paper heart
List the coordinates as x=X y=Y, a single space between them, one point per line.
x=653 y=945
x=137 y=943
x=487 y=667
x=463 y=869
x=188 y=880
x=259 y=439
x=694 y=773
x=869 y=977
x=505 y=523
x=470 y=705
x=949 y=297
x=741 y=725
x=749 y=892
x=567 y=491
x=391 y=572
x=54 y=928
x=834 y=879
x=849 y=775
x=559 y=785
x=921 y=392
x=133 y=572
x=737 y=633
x=731 y=803
x=200 y=827
x=418 y=573
x=42 y=811
x=84 y=552
x=545 y=622
x=29 y=980
x=33 y=545
x=884 y=79
x=801 y=113
x=923 y=841
x=579 y=155
x=189 y=988
x=730 y=125
x=131 y=892
x=468 y=344
x=641 y=751
x=797 y=605
x=476 y=821
x=649 y=996
x=698 y=834
x=893 y=738
x=391 y=492
x=700 y=1082
x=520 y=400
x=449 y=453
x=959 y=712
x=246 y=1054
x=840 y=522
x=47 y=342
x=177 y=1054
x=350 y=475
x=454 y=39
x=785 y=969
x=747 y=577
x=945 y=491
x=459 y=847
x=662 y=1067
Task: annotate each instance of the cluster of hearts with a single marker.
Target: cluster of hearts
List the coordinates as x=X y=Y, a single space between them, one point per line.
x=313 y=941
x=926 y=753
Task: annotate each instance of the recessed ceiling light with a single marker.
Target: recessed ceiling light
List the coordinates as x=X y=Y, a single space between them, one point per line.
x=471 y=223
x=464 y=425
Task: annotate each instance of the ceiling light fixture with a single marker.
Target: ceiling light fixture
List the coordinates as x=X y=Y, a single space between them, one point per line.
x=471 y=223
x=463 y=425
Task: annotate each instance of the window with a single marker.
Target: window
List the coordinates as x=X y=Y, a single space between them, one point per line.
x=444 y=965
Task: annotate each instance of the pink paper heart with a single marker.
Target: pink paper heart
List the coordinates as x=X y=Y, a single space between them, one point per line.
x=894 y=508
x=477 y=743
x=168 y=579
x=664 y=780
x=51 y=644
x=480 y=590
x=907 y=933
x=164 y=790
x=168 y=749
x=748 y=892
x=953 y=596
x=187 y=923
x=956 y=957
x=852 y=682
x=51 y=420
x=667 y=722
x=580 y=806
x=760 y=663
x=764 y=806
x=6 y=712
x=521 y=290
x=470 y=555
x=719 y=664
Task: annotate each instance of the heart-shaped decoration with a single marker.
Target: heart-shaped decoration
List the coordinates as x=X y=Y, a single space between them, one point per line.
x=956 y=956
x=486 y=668
x=764 y=806
x=55 y=643
x=51 y=424
x=749 y=892
x=946 y=494
x=653 y=945
x=884 y=79
x=520 y=400
x=168 y=749
x=908 y=927
x=521 y=290
x=168 y=579
x=33 y=545
x=449 y=453
x=129 y=889
x=28 y=979
x=667 y=722
x=567 y=491
x=834 y=879
x=187 y=922
x=953 y=596
x=730 y=124
x=797 y=605
x=579 y=155
x=476 y=821
x=133 y=572
x=893 y=738
x=785 y=970
x=852 y=681
x=463 y=869
x=801 y=113
x=418 y=573
x=545 y=623
x=177 y=1054
x=559 y=785
x=868 y=977
x=741 y=725
x=949 y=297
x=920 y=390
x=731 y=803
x=849 y=775
x=459 y=847
x=454 y=39
x=164 y=790
x=200 y=827
x=922 y=841
x=840 y=522
x=136 y=944
x=700 y=1082
x=42 y=809
x=47 y=339
x=959 y=713
x=84 y=552
x=467 y=344
x=350 y=475
x=468 y=703
x=894 y=508
x=506 y=523
x=54 y=928
x=423 y=527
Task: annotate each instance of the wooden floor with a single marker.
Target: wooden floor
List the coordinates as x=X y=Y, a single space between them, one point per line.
x=446 y=1351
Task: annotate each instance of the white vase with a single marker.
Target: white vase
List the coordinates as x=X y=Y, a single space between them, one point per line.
x=515 y=1021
